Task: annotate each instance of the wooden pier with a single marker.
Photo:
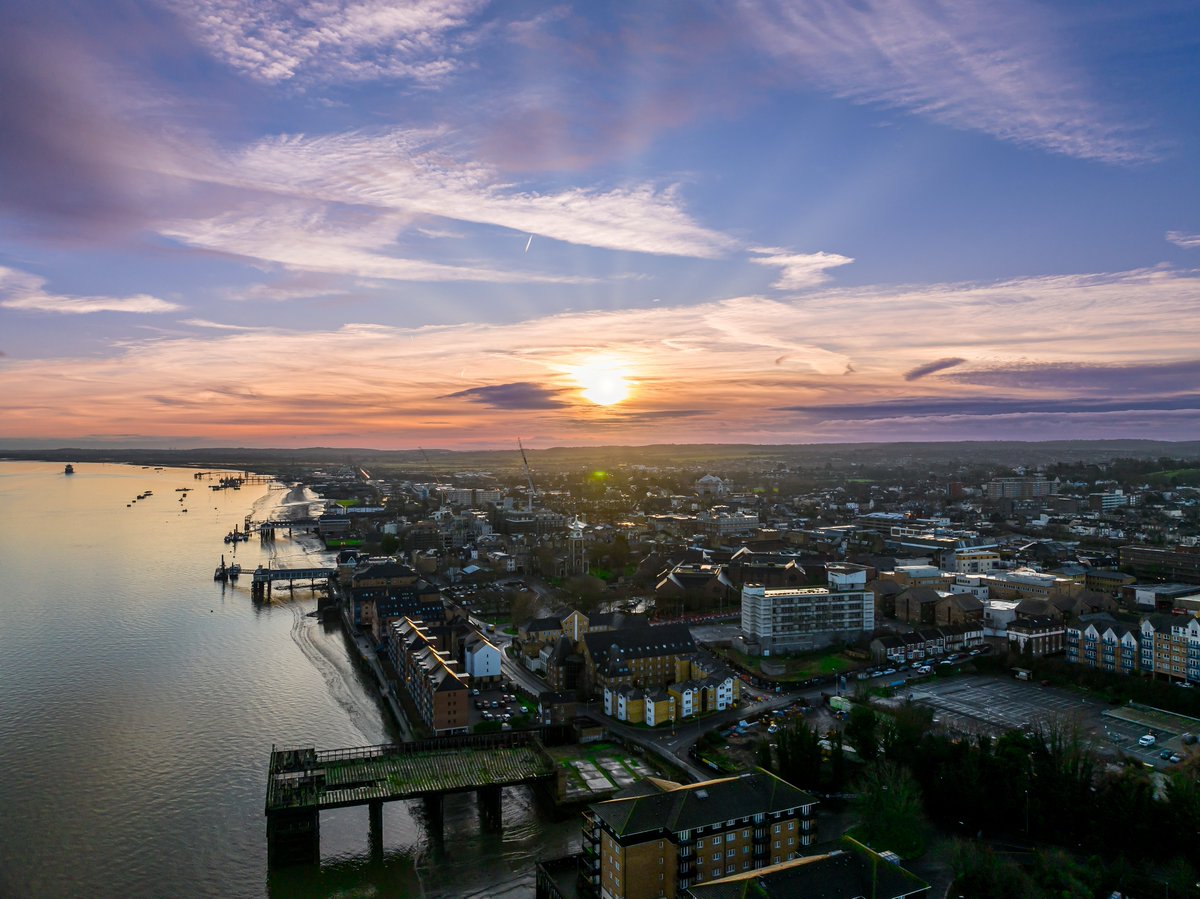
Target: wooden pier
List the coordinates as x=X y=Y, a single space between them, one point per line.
x=302 y=782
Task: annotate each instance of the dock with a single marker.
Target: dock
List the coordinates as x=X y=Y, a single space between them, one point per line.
x=303 y=782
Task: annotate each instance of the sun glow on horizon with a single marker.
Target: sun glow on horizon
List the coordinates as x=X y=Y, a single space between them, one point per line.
x=603 y=381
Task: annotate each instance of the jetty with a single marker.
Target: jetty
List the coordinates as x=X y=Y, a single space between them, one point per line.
x=265 y=578
x=303 y=782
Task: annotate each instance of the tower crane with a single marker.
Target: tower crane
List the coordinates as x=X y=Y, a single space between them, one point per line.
x=528 y=476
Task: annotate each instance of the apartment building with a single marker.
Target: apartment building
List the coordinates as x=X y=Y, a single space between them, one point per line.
x=1170 y=646
x=641 y=656
x=1100 y=641
x=430 y=677
x=665 y=837
x=776 y=620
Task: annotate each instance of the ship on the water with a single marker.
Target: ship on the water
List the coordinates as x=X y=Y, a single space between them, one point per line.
x=70 y=469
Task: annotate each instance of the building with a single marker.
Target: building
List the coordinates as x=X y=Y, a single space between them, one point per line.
x=1167 y=645
x=429 y=677
x=849 y=871
x=666 y=837
x=481 y=660
x=1180 y=564
x=1170 y=646
x=640 y=656
x=1019 y=488
x=1037 y=636
x=1100 y=641
x=976 y=561
x=776 y=620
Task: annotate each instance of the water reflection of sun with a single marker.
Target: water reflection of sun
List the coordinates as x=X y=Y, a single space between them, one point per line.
x=603 y=381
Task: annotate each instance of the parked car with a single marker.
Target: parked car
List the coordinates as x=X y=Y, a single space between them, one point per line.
x=1165 y=754
x=1147 y=740
x=1175 y=757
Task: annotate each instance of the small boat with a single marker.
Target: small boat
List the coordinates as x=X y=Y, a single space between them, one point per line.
x=69 y=469
x=222 y=573
x=183 y=510
x=234 y=570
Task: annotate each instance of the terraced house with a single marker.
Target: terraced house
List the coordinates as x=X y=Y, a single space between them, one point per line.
x=664 y=837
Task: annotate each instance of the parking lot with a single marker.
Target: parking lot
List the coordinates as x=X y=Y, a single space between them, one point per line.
x=494 y=704
x=979 y=705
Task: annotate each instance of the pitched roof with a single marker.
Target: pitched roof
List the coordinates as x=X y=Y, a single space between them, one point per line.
x=638 y=643
x=848 y=871
x=673 y=808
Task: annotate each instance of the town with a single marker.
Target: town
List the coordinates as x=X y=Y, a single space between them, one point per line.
x=856 y=676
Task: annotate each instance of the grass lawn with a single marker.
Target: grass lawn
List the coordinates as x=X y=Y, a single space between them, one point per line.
x=800 y=667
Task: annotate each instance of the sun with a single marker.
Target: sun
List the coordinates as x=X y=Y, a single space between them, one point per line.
x=604 y=382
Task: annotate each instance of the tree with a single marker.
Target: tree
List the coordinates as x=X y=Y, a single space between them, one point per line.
x=798 y=750
x=862 y=732
x=890 y=810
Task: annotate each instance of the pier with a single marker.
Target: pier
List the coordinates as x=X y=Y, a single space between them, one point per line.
x=264 y=578
x=302 y=782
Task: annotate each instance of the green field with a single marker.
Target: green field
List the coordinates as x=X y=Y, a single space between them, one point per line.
x=1188 y=477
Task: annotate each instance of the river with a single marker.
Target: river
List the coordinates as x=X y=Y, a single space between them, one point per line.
x=139 y=701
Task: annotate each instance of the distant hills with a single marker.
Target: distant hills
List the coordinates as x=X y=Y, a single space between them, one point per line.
x=699 y=454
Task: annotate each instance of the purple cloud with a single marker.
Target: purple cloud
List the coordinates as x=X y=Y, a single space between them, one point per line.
x=517 y=395
x=1165 y=378
x=929 y=368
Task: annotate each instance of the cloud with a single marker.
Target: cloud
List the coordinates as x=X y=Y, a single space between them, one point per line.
x=1129 y=372
x=216 y=326
x=1001 y=69
x=75 y=159
x=799 y=270
x=24 y=291
x=360 y=40
x=519 y=395
x=414 y=173
x=320 y=239
x=929 y=368
x=1183 y=239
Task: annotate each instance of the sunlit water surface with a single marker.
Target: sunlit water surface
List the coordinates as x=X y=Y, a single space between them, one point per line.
x=139 y=700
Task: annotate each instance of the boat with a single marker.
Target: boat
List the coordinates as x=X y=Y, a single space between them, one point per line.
x=183 y=510
x=234 y=570
x=222 y=573
x=69 y=469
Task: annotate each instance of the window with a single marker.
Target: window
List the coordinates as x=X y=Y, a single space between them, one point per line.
x=730 y=837
x=716 y=856
x=777 y=828
x=777 y=844
x=791 y=825
x=730 y=853
x=729 y=869
x=745 y=834
x=699 y=844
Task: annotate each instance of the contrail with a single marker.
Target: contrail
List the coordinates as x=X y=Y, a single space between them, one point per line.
x=528 y=242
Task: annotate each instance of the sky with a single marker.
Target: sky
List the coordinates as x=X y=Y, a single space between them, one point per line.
x=456 y=223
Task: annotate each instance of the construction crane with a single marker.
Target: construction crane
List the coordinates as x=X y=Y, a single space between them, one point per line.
x=529 y=477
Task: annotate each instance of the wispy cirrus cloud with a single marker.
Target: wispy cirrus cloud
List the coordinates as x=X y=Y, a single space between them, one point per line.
x=929 y=368
x=354 y=40
x=1183 y=239
x=26 y=292
x=798 y=271
x=417 y=173
x=315 y=238
x=1003 y=70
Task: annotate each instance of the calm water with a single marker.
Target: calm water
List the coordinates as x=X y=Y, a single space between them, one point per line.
x=139 y=700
